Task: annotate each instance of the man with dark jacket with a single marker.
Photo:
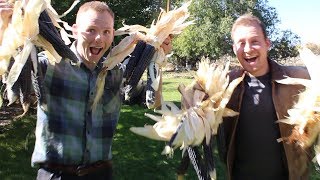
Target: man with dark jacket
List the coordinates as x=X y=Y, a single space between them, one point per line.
x=248 y=142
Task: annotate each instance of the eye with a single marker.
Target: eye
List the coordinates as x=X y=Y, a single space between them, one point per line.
x=91 y=30
x=106 y=32
x=255 y=42
x=240 y=44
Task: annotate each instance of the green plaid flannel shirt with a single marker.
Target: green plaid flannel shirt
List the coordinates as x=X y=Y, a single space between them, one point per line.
x=67 y=130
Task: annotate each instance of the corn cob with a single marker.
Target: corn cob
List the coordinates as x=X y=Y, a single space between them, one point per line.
x=143 y=62
x=171 y=22
x=150 y=93
x=208 y=150
x=50 y=33
x=11 y=91
x=195 y=159
x=134 y=58
x=25 y=87
x=138 y=71
x=202 y=110
x=116 y=55
x=203 y=164
x=29 y=25
x=37 y=77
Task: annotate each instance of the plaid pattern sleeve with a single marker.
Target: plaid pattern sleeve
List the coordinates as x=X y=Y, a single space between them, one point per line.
x=68 y=131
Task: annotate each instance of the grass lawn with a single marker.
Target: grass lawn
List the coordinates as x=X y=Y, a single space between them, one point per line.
x=135 y=157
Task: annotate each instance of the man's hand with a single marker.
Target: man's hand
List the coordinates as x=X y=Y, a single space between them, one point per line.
x=6 y=11
x=167 y=44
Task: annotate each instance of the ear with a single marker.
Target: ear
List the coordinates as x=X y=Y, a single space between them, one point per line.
x=74 y=30
x=268 y=42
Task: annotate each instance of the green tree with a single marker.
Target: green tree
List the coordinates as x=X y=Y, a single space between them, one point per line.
x=285 y=45
x=126 y=12
x=129 y=12
x=210 y=35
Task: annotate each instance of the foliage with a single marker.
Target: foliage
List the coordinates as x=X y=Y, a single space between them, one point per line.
x=285 y=46
x=210 y=35
x=128 y=12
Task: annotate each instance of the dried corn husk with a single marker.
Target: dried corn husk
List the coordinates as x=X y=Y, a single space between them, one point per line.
x=203 y=106
x=305 y=114
x=22 y=34
x=171 y=22
x=116 y=55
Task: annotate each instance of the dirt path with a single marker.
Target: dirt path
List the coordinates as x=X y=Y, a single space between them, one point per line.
x=9 y=113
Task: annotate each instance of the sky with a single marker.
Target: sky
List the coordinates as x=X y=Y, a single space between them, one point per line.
x=301 y=17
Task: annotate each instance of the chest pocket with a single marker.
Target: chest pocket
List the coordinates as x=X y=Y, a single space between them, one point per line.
x=111 y=96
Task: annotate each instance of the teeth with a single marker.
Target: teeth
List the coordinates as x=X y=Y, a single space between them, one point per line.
x=95 y=50
x=250 y=59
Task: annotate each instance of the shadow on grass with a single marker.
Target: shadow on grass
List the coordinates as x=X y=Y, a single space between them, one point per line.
x=16 y=146
x=137 y=157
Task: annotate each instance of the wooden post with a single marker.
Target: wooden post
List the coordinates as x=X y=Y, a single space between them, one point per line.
x=168 y=5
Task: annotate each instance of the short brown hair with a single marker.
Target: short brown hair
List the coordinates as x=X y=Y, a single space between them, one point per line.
x=248 y=19
x=98 y=6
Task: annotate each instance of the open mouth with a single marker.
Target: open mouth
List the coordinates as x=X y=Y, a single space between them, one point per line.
x=95 y=50
x=250 y=60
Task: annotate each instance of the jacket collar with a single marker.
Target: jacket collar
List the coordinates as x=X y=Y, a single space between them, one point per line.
x=277 y=71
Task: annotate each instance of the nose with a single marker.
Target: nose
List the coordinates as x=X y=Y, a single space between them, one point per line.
x=98 y=38
x=247 y=47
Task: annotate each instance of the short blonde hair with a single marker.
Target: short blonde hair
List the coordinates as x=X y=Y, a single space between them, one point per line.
x=98 y=6
x=246 y=20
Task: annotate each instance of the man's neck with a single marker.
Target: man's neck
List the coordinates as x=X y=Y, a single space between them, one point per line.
x=89 y=64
